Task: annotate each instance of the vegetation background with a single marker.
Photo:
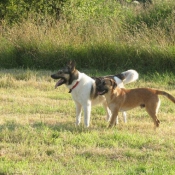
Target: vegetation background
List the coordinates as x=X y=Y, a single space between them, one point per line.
x=96 y=34
x=37 y=131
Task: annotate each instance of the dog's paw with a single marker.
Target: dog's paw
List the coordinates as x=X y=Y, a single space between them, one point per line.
x=110 y=126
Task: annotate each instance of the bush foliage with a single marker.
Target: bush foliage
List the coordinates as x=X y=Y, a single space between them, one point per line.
x=16 y=10
x=99 y=34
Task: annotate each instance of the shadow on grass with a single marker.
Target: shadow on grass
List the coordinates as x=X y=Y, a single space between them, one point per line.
x=56 y=127
x=9 y=125
x=65 y=126
x=99 y=56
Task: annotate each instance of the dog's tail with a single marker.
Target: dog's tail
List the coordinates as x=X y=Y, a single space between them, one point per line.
x=130 y=76
x=166 y=94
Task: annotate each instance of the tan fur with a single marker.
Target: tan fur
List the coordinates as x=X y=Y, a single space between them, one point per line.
x=120 y=99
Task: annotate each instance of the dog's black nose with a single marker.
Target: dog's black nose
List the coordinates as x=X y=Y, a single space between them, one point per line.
x=98 y=88
x=53 y=76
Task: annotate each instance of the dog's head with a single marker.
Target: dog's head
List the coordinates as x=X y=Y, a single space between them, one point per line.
x=66 y=75
x=103 y=85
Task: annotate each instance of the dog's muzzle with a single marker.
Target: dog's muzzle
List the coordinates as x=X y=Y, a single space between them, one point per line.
x=101 y=91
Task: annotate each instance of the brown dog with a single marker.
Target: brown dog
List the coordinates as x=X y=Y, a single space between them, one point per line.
x=120 y=99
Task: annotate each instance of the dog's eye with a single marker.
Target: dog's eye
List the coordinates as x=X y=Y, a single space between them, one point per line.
x=66 y=70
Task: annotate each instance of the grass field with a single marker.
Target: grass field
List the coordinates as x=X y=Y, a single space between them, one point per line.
x=38 y=134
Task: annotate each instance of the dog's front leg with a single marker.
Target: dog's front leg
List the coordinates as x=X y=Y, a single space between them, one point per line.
x=87 y=113
x=78 y=113
x=113 y=118
x=108 y=111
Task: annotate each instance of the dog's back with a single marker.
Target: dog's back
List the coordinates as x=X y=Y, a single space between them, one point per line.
x=140 y=96
x=146 y=93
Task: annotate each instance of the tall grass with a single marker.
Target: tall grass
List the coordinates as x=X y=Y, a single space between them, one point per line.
x=98 y=34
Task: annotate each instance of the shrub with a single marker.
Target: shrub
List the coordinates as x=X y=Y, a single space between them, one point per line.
x=16 y=10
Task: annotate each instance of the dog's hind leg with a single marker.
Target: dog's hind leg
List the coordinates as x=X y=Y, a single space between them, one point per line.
x=152 y=110
x=124 y=117
x=117 y=120
x=78 y=113
x=108 y=111
x=155 y=120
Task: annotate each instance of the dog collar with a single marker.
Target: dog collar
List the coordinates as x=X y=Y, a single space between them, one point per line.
x=73 y=87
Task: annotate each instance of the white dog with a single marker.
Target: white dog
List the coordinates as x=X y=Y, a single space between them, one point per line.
x=83 y=89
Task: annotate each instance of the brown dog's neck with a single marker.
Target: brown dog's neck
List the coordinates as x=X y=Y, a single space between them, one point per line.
x=109 y=96
x=112 y=94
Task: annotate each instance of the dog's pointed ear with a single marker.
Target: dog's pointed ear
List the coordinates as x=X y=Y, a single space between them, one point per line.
x=113 y=83
x=71 y=65
x=97 y=80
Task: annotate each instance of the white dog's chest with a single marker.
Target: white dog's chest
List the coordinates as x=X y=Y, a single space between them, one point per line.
x=81 y=93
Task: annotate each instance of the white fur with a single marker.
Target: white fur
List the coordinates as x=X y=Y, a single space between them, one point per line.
x=81 y=95
x=119 y=82
x=131 y=75
x=158 y=105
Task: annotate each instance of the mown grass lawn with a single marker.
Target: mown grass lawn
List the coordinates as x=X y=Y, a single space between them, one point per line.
x=38 y=134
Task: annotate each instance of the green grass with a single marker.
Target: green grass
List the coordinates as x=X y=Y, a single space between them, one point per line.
x=38 y=134
x=95 y=33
